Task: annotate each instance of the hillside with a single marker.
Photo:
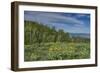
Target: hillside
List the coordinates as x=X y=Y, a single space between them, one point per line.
x=37 y=33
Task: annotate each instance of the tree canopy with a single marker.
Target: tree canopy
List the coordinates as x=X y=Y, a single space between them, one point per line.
x=37 y=33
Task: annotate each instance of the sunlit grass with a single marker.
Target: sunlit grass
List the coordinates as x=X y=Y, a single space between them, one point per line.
x=56 y=51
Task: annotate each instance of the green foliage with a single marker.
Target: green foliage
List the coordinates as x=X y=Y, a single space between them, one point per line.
x=39 y=33
x=57 y=51
x=46 y=43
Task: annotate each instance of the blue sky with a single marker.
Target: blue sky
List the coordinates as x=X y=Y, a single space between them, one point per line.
x=69 y=22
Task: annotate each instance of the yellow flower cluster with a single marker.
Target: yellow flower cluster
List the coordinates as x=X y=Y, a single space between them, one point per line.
x=55 y=49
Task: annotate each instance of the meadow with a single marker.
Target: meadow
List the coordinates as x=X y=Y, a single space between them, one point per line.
x=57 y=51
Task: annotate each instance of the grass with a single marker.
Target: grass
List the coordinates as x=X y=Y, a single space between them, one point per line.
x=56 y=51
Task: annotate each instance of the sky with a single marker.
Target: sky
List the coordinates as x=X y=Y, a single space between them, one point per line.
x=69 y=22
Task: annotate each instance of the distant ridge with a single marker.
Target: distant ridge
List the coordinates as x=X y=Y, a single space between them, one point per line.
x=83 y=35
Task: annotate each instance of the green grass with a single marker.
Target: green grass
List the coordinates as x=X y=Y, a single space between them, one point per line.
x=56 y=51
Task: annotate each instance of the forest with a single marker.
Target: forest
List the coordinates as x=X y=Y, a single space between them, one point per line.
x=42 y=42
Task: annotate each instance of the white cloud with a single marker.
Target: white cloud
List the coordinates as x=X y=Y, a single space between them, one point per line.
x=53 y=17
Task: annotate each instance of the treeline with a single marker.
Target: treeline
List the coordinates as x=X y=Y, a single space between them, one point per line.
x=39 y=33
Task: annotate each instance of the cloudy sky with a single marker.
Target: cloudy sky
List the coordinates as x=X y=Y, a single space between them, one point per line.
x=69 y=22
